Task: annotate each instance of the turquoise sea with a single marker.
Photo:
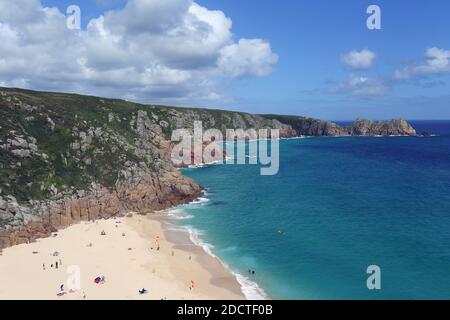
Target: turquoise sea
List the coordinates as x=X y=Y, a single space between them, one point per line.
x=342 y=204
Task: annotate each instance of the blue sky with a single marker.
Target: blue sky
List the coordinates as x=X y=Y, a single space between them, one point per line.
x=310 y=39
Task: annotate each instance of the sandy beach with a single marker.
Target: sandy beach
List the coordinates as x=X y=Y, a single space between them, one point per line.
x=122 y=251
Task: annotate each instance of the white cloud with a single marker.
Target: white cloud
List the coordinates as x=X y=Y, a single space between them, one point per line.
x=252 y=57
x=437 y=63
x=359 y=60
x=361 y=86
x=153 y=50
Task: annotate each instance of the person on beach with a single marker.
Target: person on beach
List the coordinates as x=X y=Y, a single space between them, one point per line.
x=157 y=243
x=43 y=266
x=56 y=265
x=192 y=285
x=143 y=291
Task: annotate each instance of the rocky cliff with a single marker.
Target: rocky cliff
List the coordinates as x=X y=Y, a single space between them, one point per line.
x=66 y=158
x=398 y=127
x=361 y=127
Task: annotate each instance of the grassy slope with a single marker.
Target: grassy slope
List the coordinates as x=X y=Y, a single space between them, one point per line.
x=33 y=178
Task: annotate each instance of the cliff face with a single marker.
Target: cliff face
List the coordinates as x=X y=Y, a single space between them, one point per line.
x=23 y=224
x=361 y=127
x=62 y=163
x=398 y=127
x=66 y=158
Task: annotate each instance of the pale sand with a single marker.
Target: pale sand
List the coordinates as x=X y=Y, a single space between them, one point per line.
x=126 y=271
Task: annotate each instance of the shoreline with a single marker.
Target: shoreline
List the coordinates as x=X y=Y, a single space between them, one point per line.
x=250 y=289
x=124 y=251
x=185 y=239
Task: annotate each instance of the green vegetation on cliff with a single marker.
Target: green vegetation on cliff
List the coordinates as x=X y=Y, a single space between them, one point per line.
x=54 y=143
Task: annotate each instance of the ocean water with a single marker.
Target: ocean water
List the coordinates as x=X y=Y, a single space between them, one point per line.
x=342 y=205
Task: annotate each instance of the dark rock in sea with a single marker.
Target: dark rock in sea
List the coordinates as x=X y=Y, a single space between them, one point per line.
x=217 y=203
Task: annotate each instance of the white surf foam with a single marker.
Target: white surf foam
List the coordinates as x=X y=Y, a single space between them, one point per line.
x=200 y=201
x=205 y=164
x=249 y=288
x=180 y=216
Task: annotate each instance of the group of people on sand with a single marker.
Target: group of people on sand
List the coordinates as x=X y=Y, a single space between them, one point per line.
x=101 y=279
x=57 y=263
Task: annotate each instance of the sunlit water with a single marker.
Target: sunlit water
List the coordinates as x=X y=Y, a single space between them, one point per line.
x=341 y=205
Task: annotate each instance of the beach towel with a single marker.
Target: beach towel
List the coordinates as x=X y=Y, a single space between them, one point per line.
x=99 y=280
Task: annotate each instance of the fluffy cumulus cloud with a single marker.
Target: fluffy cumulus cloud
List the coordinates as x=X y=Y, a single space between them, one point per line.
x=153 y=50
x=247 y=58
x=437 y=63
x=359 y=60
x=360 y=86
